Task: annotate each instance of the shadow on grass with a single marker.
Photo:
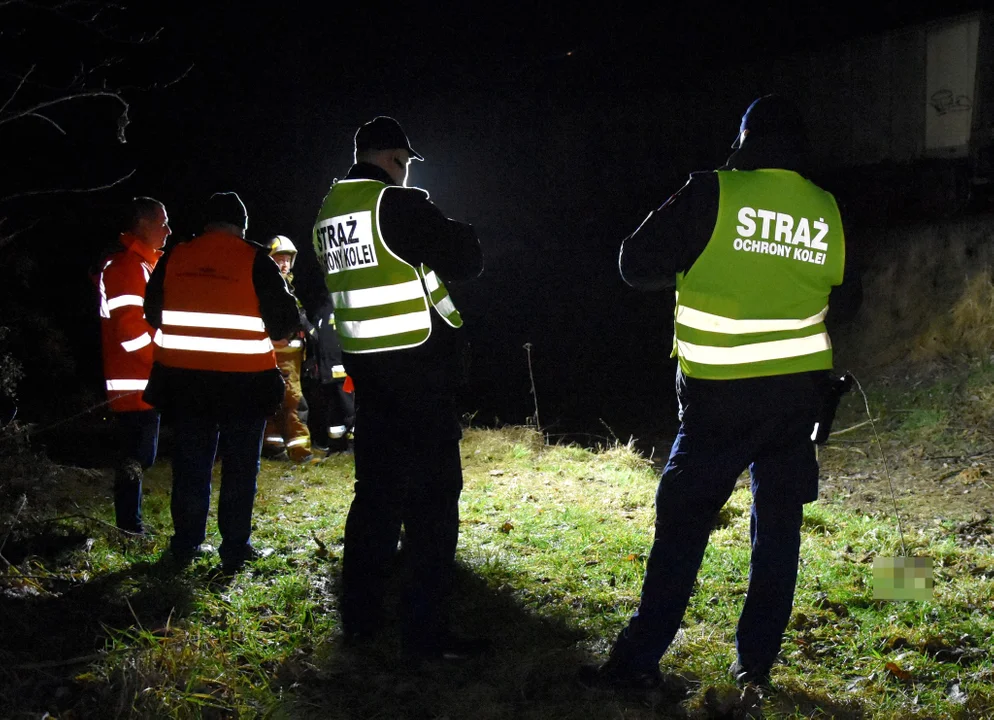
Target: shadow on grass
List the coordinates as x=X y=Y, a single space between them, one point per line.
x=48 y=638
x=530 y=673
x=792 y=702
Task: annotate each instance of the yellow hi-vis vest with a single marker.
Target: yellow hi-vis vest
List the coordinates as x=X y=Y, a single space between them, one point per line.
x=382 y=303
x=753 y=304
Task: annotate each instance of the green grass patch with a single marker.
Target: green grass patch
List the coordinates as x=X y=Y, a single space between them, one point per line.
x=552 y=549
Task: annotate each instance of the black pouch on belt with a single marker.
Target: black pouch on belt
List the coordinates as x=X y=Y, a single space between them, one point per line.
x=837 y=387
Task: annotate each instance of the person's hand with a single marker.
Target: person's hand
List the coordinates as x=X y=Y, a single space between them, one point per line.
x=281 y=343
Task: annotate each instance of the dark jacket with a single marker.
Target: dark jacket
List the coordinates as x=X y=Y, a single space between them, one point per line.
x=417 y=232
x=324 y=350
x=672 y=237
x=218 y=394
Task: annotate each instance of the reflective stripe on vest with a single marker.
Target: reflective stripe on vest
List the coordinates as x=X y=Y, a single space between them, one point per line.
x=123 y=300
x=124 y=385
x=382 y=303
x=213 y=345
x=210 y=310
x=754 y=302
x=137 y=343
x=440 y=299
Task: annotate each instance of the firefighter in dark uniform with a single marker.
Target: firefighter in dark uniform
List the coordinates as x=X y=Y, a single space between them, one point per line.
x=755 y=250
x=331 y=409
x=384 y=250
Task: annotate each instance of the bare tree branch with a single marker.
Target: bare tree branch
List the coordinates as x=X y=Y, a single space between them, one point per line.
x=122 y=121
x=59 y=191
x=48 y=120
x=24 y=79
x=159 y=86
x=90 y=23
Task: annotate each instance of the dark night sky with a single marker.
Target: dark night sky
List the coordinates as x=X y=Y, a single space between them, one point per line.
x=530 y=122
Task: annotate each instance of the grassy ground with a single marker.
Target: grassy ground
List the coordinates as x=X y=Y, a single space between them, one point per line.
x=552 y=549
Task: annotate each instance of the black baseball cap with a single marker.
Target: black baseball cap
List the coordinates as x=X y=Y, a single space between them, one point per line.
x=772 y=114
x=383 y=133
x=226 y=207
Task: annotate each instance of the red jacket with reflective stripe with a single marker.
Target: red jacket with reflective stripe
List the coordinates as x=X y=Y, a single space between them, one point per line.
x=126 y=336
x=210 y=308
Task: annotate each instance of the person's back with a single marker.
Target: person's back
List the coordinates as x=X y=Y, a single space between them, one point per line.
x=217 y=303
x=754 y=301
x=754 y=250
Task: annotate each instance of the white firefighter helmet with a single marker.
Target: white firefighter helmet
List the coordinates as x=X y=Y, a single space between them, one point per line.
x=281 y=245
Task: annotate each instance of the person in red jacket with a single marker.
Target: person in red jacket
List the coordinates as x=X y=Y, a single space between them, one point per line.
x=127 y=352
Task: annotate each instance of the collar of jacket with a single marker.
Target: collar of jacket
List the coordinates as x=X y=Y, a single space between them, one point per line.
x=368 y=171
x=768 y=152
x=134 y=244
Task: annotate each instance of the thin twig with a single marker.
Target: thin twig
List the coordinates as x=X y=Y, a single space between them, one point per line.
x=24 y=79
x=13 y=524
x=947 y=475
x=134 y=615
x=54 y=191
x=854 y=427
x=80 y=95
x=81 y=516
x=883 y=461
x=63 y=421
x=5 y=239
x=531 y=376
x=971 y=456
x=49 y=120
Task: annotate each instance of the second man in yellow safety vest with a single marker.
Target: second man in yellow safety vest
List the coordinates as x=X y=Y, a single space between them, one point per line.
x=384 y=249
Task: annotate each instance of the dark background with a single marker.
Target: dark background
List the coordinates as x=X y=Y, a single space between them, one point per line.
x=554 y=131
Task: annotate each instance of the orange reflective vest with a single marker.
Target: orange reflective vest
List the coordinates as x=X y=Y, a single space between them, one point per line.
x=126 y=336
x=210 y=309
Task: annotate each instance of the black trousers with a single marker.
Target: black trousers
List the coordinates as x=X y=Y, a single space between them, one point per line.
x=406 y=477
x=329 y=407
x=137 y=444
x=763 y=424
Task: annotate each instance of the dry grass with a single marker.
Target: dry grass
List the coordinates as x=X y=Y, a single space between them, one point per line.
x=968 y=329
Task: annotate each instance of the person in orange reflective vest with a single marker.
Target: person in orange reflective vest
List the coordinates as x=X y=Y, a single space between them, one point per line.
x=217 y=303
x=286 y=430
x=127 y=353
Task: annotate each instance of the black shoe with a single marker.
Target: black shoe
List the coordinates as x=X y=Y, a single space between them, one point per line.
x=743 y=676
x=186 y=556
x=234 y=563
x=612 y=675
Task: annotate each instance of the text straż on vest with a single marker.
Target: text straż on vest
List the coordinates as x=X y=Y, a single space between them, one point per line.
x=782 y=235
x=347 y=242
